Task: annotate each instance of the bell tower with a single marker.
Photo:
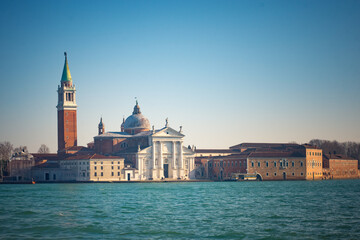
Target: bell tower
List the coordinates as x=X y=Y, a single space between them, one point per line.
x=66 y=108
x=101 y=127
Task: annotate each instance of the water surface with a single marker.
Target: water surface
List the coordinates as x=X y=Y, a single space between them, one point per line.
x=204 y=210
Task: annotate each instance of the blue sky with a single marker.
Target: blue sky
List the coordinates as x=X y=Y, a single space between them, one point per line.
x=227 y=71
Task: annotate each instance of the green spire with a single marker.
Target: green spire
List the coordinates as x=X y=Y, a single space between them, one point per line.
x=66 y=76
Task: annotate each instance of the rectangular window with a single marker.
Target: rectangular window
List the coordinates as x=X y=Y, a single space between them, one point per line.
x=95 y=174
x=101 y=167
x=118 y=173
x=112 y=167
x=274 y=163
x=102 y=174
x=258 y=164
x=293 y=164
x=95 y=167
x=112 y=173
x=252 y=164
x=267 y=164
x=118 y=167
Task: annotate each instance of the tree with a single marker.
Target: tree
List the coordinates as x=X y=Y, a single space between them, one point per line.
x=43 y=149
x=21 y=149
x=6 y=149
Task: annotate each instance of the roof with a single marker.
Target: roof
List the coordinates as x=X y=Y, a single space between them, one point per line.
x=264 y=145
x=47 y=165
x=310 y=146
x=91 y=156
x=66 y=76
x=337 y=156
x=281 y=154
x=213 y=151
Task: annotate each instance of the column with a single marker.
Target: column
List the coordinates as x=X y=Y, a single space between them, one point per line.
x=160 y=156
x=173 y=155
x=138 y=160
x=153 y=155
x=181 y=164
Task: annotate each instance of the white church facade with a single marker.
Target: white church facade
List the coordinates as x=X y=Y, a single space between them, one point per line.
x=149 y=154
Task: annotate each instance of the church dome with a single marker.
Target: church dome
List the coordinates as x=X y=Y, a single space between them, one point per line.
x=136 y=122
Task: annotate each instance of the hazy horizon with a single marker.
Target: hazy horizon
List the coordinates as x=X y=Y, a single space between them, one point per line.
x=227 y=71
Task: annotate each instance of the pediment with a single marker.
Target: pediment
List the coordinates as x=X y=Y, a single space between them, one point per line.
x=168 y=132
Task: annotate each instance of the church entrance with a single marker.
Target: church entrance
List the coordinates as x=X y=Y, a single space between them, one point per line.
x=166 y=170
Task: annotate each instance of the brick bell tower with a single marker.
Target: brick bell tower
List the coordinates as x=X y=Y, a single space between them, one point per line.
x=66 y=109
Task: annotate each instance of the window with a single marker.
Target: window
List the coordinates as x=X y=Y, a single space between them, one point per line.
x=235 y=164
x=95 y=167
x=293 y=163
x=102 y=174
x=112 y=167
x=267 y=164
x=267 y=174
x=101 y=167
x=118 y=162
x=101 y=162
x=118 y=167
x=258 y=164
x=274 y=163
x=95 y=163
x=252 y=164
x=274 y=174
x=293 y=174
x=281 y=164
x=118 y=173
x=95 y=174
x=301 y=164
x=240 y=164
x=112 y=173
x=112 y=162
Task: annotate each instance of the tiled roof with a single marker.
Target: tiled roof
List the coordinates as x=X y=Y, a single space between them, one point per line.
x=310 y=146
x=47 y=165
x=213 y=151
x=276 y=154
x=91 y=156
x=337 y=156
x=264 y=145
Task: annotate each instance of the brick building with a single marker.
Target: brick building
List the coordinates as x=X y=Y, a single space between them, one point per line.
x=338 y=166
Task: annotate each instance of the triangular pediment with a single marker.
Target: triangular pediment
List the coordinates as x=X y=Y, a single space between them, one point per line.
x=168 y=132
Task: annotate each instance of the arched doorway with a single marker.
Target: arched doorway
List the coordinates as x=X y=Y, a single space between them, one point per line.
x=258 y=177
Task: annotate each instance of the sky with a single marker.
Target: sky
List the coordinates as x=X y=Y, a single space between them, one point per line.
x=227 y=71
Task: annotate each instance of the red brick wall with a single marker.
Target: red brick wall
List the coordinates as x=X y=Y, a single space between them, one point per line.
x=67 y=129
x=342 y=169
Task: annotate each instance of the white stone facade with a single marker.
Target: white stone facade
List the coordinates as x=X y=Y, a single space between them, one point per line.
x=166 y=157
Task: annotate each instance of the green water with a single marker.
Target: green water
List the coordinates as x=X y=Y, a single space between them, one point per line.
x=215 y=210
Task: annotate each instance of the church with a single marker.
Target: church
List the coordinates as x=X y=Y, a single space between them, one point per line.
x=148 y=154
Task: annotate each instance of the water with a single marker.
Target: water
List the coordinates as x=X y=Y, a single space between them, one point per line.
x=214 y=210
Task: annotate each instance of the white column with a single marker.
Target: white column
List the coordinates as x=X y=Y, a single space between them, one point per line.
x=161 y=157
x=173 y=155
x=139 y=165
x=181 y=156
x=153 y=155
